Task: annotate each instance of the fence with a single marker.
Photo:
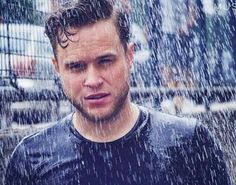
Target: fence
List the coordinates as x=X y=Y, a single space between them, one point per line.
x=26 y=72
x=25 y=52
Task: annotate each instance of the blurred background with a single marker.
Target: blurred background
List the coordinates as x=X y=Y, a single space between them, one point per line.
x=185 y=64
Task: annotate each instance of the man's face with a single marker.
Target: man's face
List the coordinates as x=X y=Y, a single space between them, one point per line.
x=95 y=70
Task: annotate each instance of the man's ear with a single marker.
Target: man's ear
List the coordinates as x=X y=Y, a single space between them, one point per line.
x=55 y=64
x=130 y=54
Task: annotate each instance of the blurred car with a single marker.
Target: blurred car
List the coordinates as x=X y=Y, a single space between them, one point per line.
x=25 y=64
x=25 y=53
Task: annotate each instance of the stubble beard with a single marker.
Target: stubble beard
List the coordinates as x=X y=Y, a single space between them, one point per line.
x=118 y=105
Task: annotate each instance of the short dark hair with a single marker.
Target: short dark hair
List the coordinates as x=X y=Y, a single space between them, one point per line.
x=84 y=12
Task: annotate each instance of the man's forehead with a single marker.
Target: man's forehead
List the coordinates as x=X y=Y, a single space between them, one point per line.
x=95 y=39
x=99 y=30
x=102 y=31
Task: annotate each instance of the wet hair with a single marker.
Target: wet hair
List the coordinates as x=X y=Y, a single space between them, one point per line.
x=78 y=13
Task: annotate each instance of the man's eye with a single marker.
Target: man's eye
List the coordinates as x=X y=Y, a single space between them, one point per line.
x=76 y=67
x=105 y=62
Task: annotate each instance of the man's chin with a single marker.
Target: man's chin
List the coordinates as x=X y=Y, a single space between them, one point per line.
x=99 y=116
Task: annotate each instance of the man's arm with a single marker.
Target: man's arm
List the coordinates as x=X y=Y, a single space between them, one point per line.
x=209 y=163
x=199 y=161
x=17 y=172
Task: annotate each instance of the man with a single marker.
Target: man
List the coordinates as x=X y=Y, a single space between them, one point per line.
x=108 y=140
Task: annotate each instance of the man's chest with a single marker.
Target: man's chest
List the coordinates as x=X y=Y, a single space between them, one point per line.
x=126 y=165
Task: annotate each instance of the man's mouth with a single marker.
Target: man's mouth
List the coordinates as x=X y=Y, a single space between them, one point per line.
x=96 y=96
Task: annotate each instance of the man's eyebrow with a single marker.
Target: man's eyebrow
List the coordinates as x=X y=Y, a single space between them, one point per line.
x=70 y=62
x=106 y=56
x=73 y=62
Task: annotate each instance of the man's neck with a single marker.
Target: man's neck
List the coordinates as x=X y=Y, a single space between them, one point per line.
x=110 y=131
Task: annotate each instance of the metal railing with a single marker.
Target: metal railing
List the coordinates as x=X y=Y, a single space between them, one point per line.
x=25 y=55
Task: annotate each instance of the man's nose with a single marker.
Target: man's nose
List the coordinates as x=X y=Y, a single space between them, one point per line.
x=93 y=78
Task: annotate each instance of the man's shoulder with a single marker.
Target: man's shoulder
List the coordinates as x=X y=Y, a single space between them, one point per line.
x=161 y=119
x=169 y=129
x=53 y=133
x=35 y=148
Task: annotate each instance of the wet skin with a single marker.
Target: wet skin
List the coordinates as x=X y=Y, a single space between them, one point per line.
x=95 y=72
x=95 y=69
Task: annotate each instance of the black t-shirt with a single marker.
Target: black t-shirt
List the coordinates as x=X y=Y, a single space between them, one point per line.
x=160 y=150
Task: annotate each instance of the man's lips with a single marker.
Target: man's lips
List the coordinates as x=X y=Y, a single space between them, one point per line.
x=96 y=96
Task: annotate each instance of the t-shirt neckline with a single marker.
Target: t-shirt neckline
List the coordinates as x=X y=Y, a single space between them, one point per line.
x=140 y=122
